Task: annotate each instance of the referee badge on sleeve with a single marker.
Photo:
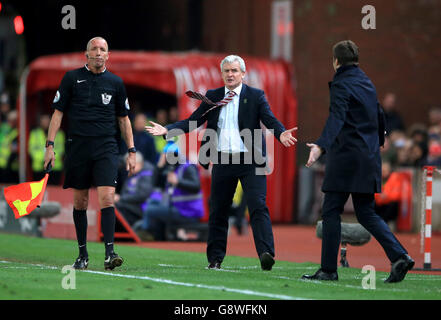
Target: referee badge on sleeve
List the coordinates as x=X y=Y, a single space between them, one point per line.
x=57 y=97
x=106 y=98
x=127 y=104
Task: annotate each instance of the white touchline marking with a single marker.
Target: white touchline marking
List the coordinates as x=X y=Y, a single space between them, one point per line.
x=222 y=288
x=178 y=283
x=221 y=270
x=169 y=265
x=41 y=266
x=196 y=285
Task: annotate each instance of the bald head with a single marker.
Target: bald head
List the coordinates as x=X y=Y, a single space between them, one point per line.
x=97 y=53
x=89 y=43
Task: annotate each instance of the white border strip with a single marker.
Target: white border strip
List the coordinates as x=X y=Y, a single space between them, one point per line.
x=176 y=283
x=196 y=285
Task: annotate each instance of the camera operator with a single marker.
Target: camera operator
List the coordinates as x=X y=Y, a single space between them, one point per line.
x=177 y=198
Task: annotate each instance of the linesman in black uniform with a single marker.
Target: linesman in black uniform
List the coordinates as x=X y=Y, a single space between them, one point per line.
x=95 y=101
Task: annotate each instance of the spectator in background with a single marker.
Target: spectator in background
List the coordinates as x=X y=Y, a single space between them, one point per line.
x=393 y=118
x=398 y=138
x=434 y=130
x=144 y=142
x=434 y=153
x=5 y=107
x=387 y=202
x=9 y=151
x=36 y=150
x=403 y=152
x=161 y=118
x=418 y=133
x=418 y=149
x=434 y=137
x=435 y=116
x=417 y=154
x=389 y=151
x=132 y=199
x=173 y=114
x=401 y=145
x=177 y=199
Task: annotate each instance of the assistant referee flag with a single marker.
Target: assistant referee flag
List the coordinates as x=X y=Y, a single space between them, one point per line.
x=23 y=198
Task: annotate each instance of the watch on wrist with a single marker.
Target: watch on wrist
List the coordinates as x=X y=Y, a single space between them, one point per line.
x=132 y=149
x=49 y=143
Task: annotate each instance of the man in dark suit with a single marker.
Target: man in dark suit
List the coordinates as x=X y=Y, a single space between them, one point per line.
x=237 y=153
x=351 y=140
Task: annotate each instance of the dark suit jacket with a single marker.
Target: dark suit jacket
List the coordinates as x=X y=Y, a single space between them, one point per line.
x=353 y=134
x=253 y=108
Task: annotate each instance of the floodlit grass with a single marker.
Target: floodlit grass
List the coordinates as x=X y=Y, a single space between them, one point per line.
x=31 y=268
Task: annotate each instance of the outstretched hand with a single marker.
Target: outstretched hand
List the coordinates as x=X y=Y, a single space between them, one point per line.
x=314 y=154
x=287 y=139
x=156 y=129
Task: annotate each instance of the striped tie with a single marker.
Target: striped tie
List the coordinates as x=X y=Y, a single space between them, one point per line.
x=223 y=102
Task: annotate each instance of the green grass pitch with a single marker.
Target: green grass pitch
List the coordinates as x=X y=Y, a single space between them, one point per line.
x=31 y=268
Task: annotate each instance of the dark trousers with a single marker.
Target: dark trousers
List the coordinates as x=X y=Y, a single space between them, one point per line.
x=364 y=204
x=224 y=178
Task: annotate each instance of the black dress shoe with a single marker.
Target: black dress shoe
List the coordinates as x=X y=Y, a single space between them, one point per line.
x=266 y=261
x=214 y=265
x=400 y=268
x=321 y=275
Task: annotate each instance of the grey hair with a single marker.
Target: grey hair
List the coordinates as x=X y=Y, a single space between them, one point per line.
x=231 y=59
x=89 y=43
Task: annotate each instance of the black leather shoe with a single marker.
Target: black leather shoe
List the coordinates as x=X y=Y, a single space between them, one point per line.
x=266 y=261
x=400 y=268
x=214 y=265
x=321 y=275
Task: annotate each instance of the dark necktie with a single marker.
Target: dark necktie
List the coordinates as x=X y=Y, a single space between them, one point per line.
x=223 y=102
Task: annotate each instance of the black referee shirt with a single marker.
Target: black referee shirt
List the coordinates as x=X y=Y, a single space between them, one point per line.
x=92 y=102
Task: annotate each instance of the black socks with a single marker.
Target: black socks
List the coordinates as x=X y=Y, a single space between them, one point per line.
x=80 y=221
x=108 y=228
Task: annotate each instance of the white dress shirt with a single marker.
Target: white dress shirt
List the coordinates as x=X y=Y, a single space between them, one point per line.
x=228 y=125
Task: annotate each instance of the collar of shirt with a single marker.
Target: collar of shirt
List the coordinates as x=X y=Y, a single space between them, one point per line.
x=238 y=89
x=87 y=68
x=228 y=125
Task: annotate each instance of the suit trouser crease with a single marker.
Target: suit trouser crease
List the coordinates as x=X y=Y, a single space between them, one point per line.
x=223 y=187
x=364 y=205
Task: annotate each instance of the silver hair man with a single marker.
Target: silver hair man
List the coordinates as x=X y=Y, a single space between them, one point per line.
x=231 y=59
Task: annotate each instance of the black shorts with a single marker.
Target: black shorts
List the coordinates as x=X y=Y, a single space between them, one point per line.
x=91 y=161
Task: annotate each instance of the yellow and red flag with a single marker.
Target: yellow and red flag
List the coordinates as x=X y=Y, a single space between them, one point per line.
x=23 y=198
